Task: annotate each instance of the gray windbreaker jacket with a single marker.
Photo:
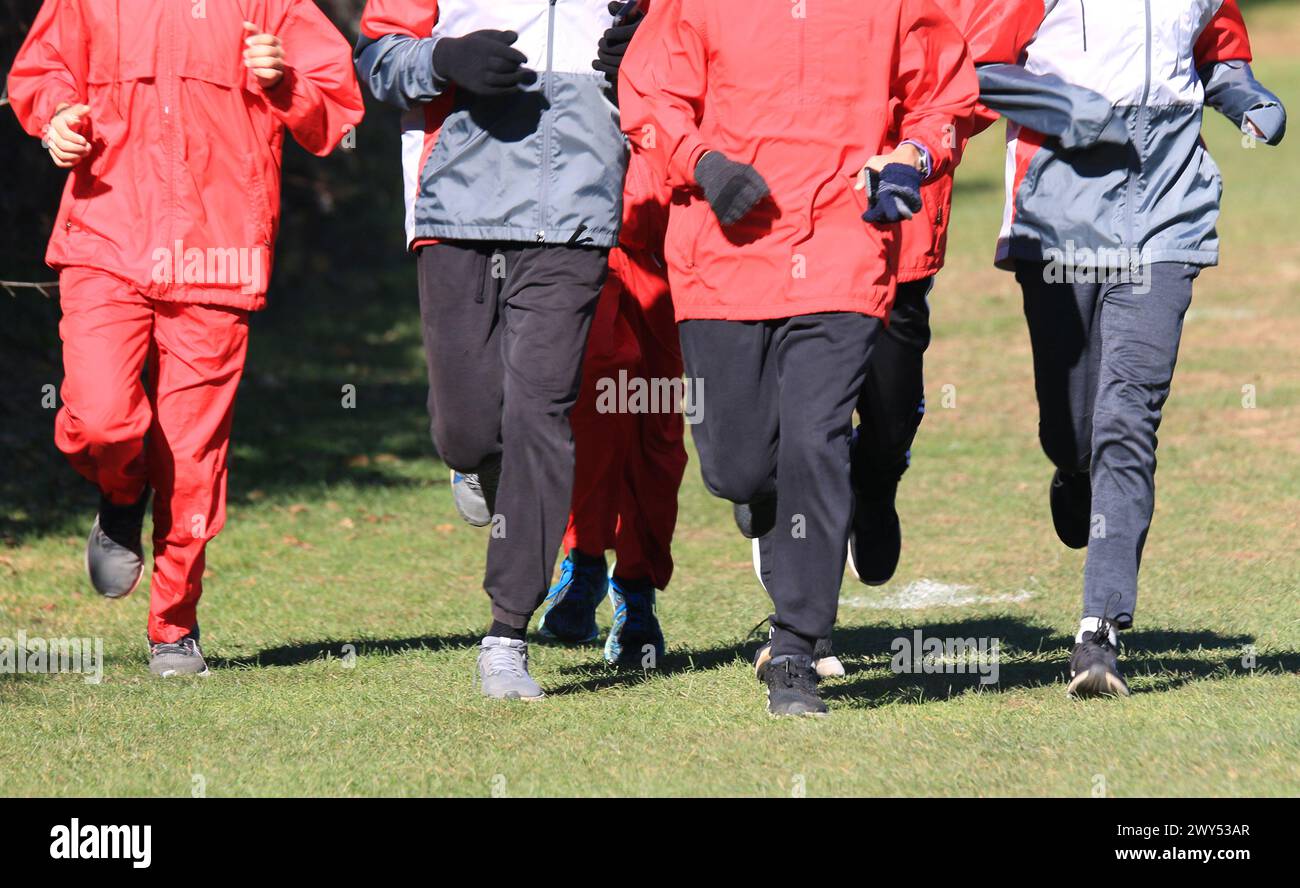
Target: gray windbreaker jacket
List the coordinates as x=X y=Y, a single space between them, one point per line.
x=1104 y=150
x=545 y=165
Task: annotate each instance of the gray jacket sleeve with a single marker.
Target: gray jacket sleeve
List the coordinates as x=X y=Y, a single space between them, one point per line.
x=398 y=69
x=1076 y=116
x=1232 y=90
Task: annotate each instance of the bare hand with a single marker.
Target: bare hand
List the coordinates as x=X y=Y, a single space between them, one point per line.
x=264 y=56
x=906 y=154
x=63 y=138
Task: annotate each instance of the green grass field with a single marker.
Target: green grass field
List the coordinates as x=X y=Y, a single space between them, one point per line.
x=342 y=532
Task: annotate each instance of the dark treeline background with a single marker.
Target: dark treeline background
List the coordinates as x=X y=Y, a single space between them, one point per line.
x=342 y=310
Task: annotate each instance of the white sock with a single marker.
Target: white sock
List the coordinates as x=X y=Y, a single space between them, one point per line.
x=1092 y=624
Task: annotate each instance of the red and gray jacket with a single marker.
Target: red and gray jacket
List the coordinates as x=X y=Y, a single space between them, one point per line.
x=545 y=165
x=1104 y=150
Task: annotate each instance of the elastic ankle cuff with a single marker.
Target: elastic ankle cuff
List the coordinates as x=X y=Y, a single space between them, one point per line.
x=785 y=642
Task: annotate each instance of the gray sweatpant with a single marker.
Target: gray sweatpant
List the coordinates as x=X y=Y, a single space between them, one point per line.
x=505 y=327
x=1104 y=356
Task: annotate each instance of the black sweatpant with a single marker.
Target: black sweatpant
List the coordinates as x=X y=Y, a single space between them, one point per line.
x=505 y=327
x=775 y=418
x=1104 y=356
x=892 y=403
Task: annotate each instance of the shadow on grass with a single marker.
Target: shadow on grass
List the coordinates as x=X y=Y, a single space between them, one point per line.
x=1031 y=656
x=309 y=652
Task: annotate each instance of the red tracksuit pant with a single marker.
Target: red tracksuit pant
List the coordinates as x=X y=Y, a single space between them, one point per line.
x=629 y=466
x=148 y=396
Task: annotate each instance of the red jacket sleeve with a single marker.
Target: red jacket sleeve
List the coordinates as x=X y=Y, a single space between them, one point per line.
x=409 y=18
x=1224 y=38
x=318 y=99
x=935 y=84
x=661 y=87
x=997 y=34
x=51 y=65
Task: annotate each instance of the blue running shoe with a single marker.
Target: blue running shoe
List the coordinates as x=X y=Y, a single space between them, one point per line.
x=569 y=611
x=635 y=638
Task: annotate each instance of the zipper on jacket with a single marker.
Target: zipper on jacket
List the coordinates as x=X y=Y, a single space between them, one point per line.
x=168 y=96
x=1135 y=176
x=803 y=58
x=548 y=92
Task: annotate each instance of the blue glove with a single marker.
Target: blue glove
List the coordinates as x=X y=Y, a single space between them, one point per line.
x=895 y=194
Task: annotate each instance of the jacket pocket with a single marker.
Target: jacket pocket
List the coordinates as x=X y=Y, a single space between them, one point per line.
x=686 y=223
x=257 y=213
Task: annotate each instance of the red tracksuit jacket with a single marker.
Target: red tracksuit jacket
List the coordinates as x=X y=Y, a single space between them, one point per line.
x=186 y=144
x=996 y=32
x=806 y=93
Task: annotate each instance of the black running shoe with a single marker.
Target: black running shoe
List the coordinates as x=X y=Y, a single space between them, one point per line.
x=792 y=686
x=757 y=518
x=876 y=537
x=1094 y=666
x=1071 y=500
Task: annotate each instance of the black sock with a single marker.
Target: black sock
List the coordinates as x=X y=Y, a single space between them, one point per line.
x=582 y=559
x=501 y=630
x=642 y=585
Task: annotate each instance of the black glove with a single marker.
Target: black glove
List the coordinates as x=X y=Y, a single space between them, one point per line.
x=613 y=45
x=731 y=188
x=895 y=194
x=483 y=63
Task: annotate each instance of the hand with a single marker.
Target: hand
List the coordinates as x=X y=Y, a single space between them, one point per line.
x=63 y=138
x=895 y=194
x=264 y=56
x=907 y=154
x=613 y=45
x=731 y=188
x=484 y=63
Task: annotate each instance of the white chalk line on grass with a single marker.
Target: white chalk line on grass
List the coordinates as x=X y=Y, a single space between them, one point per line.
x=924 y=593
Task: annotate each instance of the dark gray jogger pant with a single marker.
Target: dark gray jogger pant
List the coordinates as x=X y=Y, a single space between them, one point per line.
x=1104 y=356
x=505 y=327
x=892 y=403
x=775 y=417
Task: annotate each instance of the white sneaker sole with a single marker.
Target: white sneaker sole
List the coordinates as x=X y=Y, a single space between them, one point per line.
x=758 y=564
x=1096 y=682
x=172 y=673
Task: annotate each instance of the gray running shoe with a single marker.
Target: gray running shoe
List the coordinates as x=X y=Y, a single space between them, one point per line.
x=475 y=493
x=114 y=553
x=183 y=657
x=503 y=670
